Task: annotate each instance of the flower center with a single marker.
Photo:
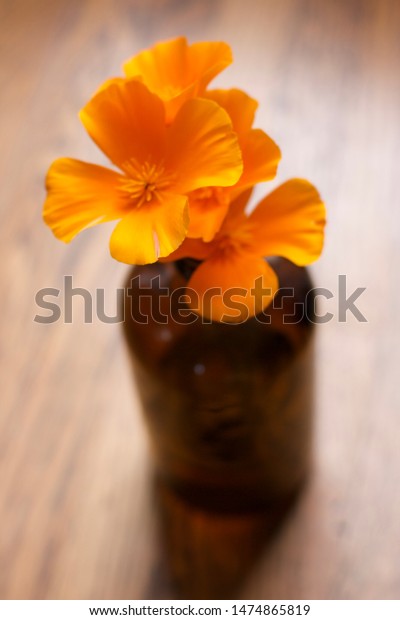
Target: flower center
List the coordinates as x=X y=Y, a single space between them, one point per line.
x=210 y=196
x=234 y=238
x=145 y=182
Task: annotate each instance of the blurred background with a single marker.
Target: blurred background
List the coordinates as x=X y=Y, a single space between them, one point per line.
x=77 y=514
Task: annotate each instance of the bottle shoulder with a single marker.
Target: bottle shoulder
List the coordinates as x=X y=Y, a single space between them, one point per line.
x=158 y=324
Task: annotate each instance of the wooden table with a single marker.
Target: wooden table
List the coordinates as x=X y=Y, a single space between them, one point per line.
x=78 y=515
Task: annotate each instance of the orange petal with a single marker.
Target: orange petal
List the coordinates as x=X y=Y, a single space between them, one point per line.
x=80 y=195
x=176 y=71
x=240 y=107
x=260 y=159
x=150 y=232
x=115 y=80
x=163 y=67
x=202 y=148
x=126 y=121
x=191 y=248
x=206 y=60
x=238 y=206
x=207 y=209
x=243 y=286
x=290 y=222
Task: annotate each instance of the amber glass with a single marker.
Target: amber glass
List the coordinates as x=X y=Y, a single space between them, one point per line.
x=228 y=407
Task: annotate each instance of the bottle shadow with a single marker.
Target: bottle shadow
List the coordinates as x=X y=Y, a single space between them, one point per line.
x=208 y=555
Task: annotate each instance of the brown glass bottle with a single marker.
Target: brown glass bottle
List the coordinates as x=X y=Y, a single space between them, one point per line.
x=228 y=407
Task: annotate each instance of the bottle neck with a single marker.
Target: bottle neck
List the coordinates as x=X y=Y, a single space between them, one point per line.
x=186 y=266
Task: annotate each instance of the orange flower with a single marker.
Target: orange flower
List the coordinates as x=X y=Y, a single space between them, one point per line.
x=159 y=166
x=209 y=206
x=176 y=71
x=289 y=222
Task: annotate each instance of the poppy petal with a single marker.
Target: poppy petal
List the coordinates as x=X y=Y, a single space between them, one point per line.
x=205 y=221
x=240 y=107
x=80 y=195
x=114 y=80
x=163 y=67
x=191 y=248
x=176 y=72
x=290 y=222
x=231 y=287
x=207 y=209
x=206 y=60
x=261 y=157
x=202 y=148
x=237 y=207
x=151 y=232
x=126 y=121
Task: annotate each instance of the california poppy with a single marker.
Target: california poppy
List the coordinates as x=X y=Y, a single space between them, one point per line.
x=177 y=72
x=289 y=222
x=159 y=165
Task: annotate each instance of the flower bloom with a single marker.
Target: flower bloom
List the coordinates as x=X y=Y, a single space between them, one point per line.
x=188 y=159
x=159 y=166
x=289 y=222
x=176 y=71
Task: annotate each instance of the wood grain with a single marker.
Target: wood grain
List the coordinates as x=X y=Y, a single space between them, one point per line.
x=79 y=517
